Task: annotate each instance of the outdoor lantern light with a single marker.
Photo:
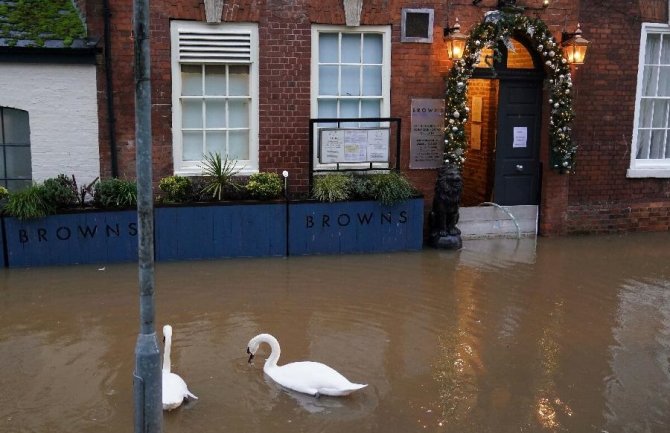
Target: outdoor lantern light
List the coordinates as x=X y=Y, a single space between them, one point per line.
x=574 y=46
x=455 y=41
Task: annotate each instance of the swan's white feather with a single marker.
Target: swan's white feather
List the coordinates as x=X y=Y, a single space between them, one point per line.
x=174 y=387
x=307 y=377
x=174 y=391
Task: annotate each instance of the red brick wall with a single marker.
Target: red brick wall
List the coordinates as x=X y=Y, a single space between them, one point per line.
x=601 y=198
x=572 y=203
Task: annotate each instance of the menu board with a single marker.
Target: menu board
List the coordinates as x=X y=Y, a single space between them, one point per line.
x=426 y=140
x=353 y=145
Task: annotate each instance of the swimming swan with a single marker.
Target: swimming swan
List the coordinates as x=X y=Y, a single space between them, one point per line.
x=307 y=377
x=174 y=387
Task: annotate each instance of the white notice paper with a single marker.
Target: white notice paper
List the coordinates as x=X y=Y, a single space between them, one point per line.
x=520 y=136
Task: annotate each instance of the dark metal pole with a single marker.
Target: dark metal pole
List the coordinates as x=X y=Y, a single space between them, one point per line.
x=147 y=377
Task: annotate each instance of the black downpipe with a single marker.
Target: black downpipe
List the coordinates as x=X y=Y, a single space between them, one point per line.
x=111 y=120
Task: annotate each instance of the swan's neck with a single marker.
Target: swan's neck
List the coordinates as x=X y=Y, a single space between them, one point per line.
x=166 y=354
x=275 y=351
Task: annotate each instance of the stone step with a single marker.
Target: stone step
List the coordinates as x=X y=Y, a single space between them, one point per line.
x=488 y=221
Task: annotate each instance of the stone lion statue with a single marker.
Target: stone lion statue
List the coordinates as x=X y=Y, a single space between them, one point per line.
x=444 y=216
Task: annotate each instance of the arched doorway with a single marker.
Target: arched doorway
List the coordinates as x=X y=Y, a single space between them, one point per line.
x=503 y=129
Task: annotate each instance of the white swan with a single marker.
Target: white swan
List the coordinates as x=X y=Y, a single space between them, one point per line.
x=306 y=376
x=174 y=387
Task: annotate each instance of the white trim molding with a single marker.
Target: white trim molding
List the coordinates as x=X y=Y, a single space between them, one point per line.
x=649 y=167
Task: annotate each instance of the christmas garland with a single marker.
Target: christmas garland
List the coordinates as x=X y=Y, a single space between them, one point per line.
x=498 y=27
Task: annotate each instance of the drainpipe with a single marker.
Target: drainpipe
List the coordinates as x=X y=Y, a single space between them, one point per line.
x=109 y=90
x=147 y=384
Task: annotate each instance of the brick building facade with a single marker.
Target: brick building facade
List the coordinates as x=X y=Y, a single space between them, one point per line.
x=602 y=194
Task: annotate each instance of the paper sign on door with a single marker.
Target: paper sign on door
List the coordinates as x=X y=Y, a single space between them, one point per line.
x=520 y=136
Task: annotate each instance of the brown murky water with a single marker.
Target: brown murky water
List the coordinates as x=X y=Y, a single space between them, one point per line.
x=503 y=336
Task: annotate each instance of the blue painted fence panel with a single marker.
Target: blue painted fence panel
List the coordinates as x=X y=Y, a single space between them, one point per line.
x=207 y=232
x=355 y=227
x=77 y=238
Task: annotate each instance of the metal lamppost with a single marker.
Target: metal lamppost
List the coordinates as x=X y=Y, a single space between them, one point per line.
x=147 y=379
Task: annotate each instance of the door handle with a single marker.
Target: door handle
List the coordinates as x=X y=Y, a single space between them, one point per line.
x=519 y=167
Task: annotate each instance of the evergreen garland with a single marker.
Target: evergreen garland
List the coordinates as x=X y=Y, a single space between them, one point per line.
x=496 y=29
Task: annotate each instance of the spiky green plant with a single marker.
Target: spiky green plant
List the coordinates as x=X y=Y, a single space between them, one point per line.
x=390 y=188
x=29 y=203
x=219 y=174
x=332 y=187
x=115 y=194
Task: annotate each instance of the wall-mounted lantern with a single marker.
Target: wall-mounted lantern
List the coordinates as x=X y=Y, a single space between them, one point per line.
x=574 y=46
x=455 y=41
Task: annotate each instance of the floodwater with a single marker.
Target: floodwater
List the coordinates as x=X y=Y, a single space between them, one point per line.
x=553 y=335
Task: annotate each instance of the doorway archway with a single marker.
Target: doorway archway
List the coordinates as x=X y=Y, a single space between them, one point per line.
x=495 y=33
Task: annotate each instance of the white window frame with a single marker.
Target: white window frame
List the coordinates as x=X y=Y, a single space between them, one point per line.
x=193 y=168
x=385 y=110
x=646 y=167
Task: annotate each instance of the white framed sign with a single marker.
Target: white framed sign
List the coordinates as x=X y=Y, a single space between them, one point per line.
x=353 y=145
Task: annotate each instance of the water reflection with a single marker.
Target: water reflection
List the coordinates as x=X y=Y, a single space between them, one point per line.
x=554 y=335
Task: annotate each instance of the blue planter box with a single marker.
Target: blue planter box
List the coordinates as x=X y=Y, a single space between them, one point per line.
x=355 y=227
x=207 y=232
x=86 y=237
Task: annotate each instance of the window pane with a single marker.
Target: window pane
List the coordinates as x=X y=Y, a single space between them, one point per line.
x=17 y=130
x=645 y=113
x=216 y=114
x=651 y=51
x=327 y=108
x=192 y=143
x=372 y=49
x=660 y=113
x=191 y=80
x=643 y=140
x=238 y=114
x=351 y=48
x=664 y=81
x=349 y=108
x=238 y=145
x=18 y=185
x=657 y=144
x=328 y=80
x=238 y=80
x=2 y=163
x=665 y=50
x=216 y=142
x=370 y=108
x=328 y=47
x=18 y=162
x=649 y=81
x=372 y=80
x=1 y=133
x=351 y=81
x=215 y=80
x=191 y=113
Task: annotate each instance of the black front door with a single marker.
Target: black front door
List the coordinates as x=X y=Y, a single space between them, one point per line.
x=517 y=167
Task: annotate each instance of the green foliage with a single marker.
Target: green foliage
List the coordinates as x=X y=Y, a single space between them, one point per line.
x=4 y=193
x=389 y=188
x=38 y=20
x=60 y=192
x=29 y=203
x=264 y=186
x=219 y=175
x=176 y=189
x=332 y=187
x=115 y=194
